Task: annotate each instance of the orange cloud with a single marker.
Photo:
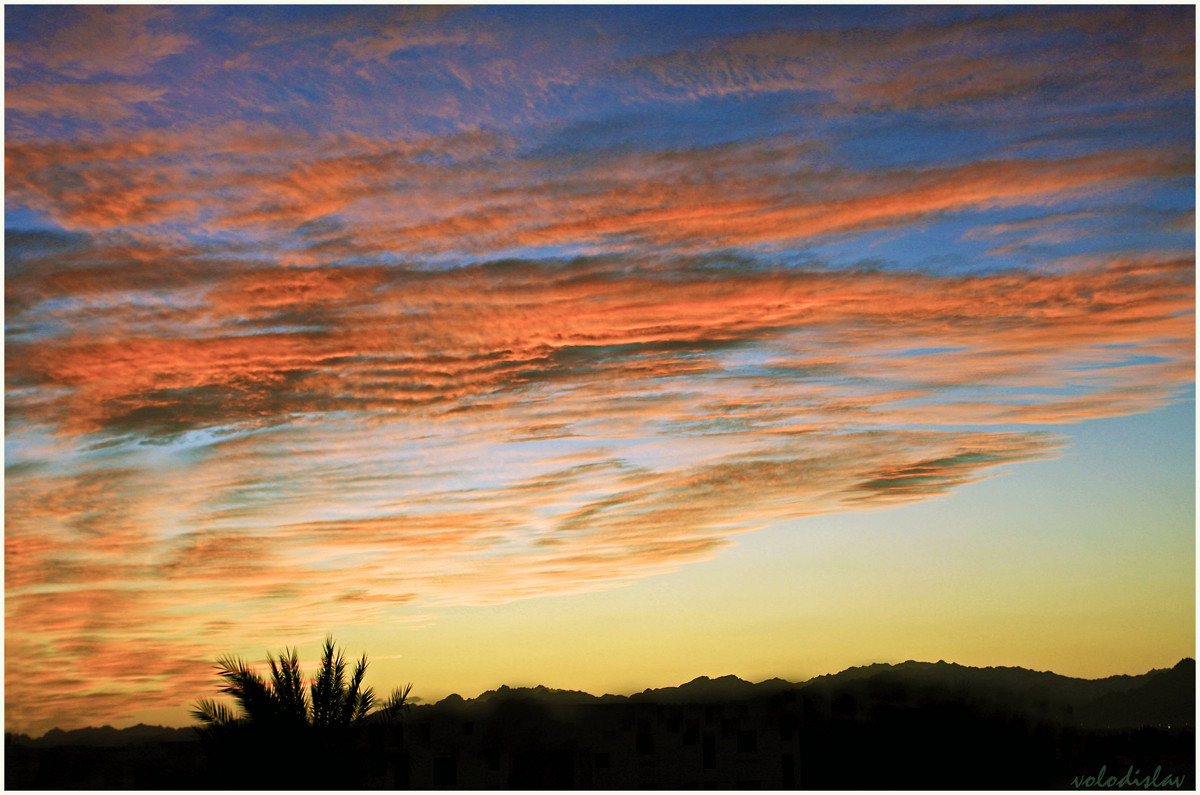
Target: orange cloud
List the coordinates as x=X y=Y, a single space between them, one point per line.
x=350 y=198
x=699 y=216
x=493 y=432
x=475 y=334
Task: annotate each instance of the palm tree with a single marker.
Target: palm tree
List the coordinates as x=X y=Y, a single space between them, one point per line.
x=291 y=736
x=334 y=703
x=329 y=701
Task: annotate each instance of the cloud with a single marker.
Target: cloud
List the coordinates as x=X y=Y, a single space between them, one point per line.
x=891 y=199
x=354 y=198
x=106 y=101
x=99 y=185
x=941 y=63
x=268 y=341
x=431 y=69
x=280 y=358
x=699 y=198
x=95 y=41
x=275 y=443
x=406 y=29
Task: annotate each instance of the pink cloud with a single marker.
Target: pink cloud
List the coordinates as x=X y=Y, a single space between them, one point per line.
x=103 y=40
x=109 y=101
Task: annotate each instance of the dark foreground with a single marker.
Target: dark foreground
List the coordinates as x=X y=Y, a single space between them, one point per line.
x=916 y=725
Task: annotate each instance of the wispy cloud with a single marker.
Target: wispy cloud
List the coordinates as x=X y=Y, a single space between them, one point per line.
x=101 y=40
x=477 y=196
x=274 y=340
x=935 y=63
x=341 y=431
x=101 y=101
x=406 y=29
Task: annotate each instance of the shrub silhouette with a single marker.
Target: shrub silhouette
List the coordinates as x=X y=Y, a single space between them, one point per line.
x=289 y=735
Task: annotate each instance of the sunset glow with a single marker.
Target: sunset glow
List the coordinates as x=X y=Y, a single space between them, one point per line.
x=599 y=348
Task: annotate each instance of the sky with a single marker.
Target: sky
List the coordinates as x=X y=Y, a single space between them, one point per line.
x=593 y=347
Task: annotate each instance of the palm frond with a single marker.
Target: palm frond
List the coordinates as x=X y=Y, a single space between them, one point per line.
x=213 y=713
x=396 y=704
x=358 y=703
x=248 y=689
x=290 y=696
x=329 y=687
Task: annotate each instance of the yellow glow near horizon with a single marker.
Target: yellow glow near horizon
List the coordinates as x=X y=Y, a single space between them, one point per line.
x=928 y=581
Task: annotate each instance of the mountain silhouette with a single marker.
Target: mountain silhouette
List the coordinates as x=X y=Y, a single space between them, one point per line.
x=1159 y=697
x=724 y=688
x=1164 y=697
x=108 y=737
x=909 y=725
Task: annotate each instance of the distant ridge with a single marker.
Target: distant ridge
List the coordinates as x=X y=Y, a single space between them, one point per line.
x=107 y=736
x=1162 y=696
x=1168 y=697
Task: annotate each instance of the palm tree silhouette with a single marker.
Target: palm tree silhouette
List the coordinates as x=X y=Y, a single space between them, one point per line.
x=283 y=702
x=313 y=735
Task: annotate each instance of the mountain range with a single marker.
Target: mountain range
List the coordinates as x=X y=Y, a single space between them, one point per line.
x=1160 y=697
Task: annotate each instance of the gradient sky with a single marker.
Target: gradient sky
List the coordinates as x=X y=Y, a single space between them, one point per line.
x=599 y=348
